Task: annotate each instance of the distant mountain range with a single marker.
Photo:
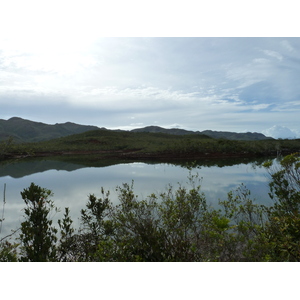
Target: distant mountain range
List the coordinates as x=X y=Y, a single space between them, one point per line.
x=22 y=130
x=213 y=134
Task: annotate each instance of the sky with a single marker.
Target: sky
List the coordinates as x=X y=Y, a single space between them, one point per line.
x=128 y=65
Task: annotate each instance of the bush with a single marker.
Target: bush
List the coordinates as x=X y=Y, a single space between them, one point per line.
x=38 y=236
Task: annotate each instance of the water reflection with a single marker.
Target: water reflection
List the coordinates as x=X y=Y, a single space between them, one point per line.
x=72 y=180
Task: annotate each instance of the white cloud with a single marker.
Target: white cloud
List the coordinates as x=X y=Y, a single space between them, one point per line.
x=284 y=132
x=65 y=60
x=287 y=45
x=291 y=106
x=273 y=54
x=199 y=83
x=255 y=71
x=175 y=125
x=136 y=124
x=139 y=98
x=260 y=106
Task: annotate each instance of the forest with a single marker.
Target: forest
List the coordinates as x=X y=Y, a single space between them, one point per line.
x=145 y=145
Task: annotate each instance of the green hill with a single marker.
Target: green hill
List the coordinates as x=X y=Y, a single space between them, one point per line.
x=22 y=130
x=242 y=136
x=157 y=129
x=118 y=144
x=26 y=131
x=247 y=136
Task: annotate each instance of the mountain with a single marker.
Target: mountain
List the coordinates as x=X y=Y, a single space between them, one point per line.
x=157 y=129
x=22 y=130
x=29 y=131
x=245 y=136
x=249 y=136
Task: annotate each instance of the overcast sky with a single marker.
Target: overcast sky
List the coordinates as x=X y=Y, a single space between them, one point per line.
x=57 y=64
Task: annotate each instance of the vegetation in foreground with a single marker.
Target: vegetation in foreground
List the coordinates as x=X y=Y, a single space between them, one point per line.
x=177 y=225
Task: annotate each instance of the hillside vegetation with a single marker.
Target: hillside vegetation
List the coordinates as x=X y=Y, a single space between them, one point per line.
x=245 y=136
x=143 y=145
x=24 y=138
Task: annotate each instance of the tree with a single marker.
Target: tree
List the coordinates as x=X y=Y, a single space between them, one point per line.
x=6 y=147
x=245 y=240
x=137 y=235
x=283 y=225
x=38 y=236
x=285 y=184
x=8 y=251
x=94 y=232
x=66 y=244
x=182 y=213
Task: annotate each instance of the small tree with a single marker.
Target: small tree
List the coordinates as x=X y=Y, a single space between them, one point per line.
x=284 y=216
x=38 y=236
x=8 y=252
x=285 y=185
x=137 y=236
x=95 y=229
x=66 y=242
x=246 y=240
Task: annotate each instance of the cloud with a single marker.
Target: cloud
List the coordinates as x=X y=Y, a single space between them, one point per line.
x=286 y=44
x=260 y=106
x=255 y=71
x=273 y=54
x=291 y=106
x=232 y=84
x=278 y=131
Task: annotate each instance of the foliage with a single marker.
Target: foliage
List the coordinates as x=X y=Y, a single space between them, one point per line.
x=6 y=146
x=66 y=236
x=95 y=228
x=284 y=215
x=8 y=251
x=126 y=144
x=247 y=224
x=38 y=236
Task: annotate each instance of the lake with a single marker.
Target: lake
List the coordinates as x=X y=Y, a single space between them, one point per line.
x=73 y=179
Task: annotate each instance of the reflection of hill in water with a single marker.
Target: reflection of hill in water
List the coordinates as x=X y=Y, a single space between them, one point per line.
x=21 y=168
x=25 y=167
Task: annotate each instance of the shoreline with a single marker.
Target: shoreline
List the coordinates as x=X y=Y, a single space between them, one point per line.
x=136 y=154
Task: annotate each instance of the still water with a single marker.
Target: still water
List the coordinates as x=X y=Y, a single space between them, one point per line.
x=72 y=181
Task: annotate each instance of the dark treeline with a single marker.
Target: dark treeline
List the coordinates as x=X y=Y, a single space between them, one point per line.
x=176 y=225
x=144 y=145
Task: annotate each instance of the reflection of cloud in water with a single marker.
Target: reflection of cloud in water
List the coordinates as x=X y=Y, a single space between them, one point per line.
x=71 y=189
x=217 y=182
x=137 y=165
